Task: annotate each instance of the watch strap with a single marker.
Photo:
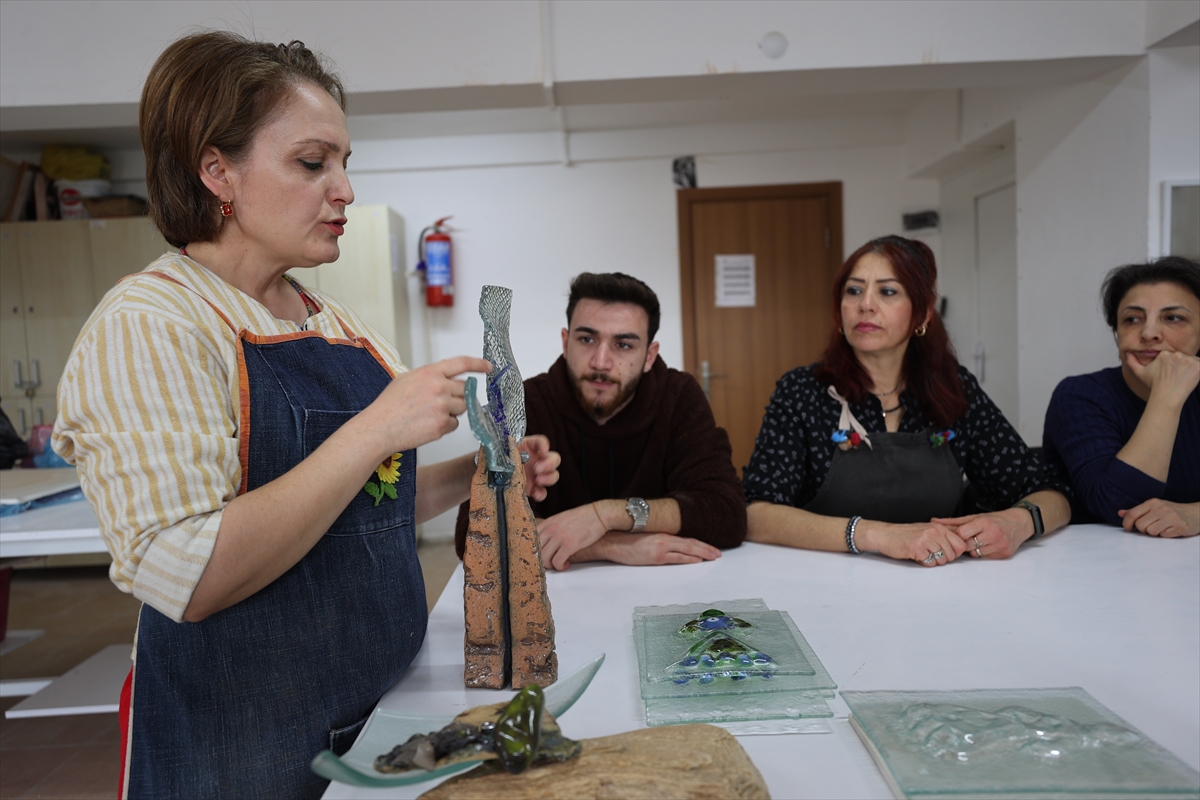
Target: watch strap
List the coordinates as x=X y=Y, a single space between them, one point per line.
x=1038 y=527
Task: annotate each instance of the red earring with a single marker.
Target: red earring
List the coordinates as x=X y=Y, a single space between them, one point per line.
x=226 y=208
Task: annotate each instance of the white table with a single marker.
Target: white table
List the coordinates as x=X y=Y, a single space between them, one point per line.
x=1091 y=606
x=53 y=530
x=57 y=530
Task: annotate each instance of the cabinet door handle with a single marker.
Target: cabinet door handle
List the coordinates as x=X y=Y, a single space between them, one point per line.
x=18 y=382
x=41 y=418
x=24 y=427
x=37 y=374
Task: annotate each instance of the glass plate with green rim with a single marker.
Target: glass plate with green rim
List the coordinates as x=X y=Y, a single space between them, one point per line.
x=386 y=729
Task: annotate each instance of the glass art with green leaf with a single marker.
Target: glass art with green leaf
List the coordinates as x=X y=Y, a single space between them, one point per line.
x=517 y=734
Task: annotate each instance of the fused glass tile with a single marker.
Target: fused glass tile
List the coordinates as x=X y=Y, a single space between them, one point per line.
x=695 y=609
x=736 y=708
x=668 y=651
x=505 y=389
x=780 y=703
x=988 y=742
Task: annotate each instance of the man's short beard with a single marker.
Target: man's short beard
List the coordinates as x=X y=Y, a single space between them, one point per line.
x=599 y=411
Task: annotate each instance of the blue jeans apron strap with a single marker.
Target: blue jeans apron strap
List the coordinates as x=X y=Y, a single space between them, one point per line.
x=900 y=478
x=237 y=705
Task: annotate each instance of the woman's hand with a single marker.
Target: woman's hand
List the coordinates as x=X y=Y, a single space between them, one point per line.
x=997 y=534
x=541 y=470
x=422 y=405
x=915 y=542
x=1157 y=517
x=1171 y=375
x=565 y=534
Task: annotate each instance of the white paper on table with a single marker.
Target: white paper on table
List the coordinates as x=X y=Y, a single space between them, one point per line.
x=735 y=281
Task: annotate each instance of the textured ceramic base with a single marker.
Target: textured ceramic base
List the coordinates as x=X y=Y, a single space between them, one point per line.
x=1029 y=742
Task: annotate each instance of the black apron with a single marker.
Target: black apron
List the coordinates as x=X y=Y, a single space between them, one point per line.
x=897 y=477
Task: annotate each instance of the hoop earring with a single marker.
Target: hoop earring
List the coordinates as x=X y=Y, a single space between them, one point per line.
x=921 y=331
x=226 y=208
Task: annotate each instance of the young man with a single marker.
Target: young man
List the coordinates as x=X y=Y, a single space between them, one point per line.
x=646 y=477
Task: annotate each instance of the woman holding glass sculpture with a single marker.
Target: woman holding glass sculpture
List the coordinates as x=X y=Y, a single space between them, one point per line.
x=1128 y=437
x=866 y=450
x=248 y=444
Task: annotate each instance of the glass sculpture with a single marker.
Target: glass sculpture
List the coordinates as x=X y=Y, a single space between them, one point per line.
x=509 y=628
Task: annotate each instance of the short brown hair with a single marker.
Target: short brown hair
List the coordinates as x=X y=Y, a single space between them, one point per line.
x=614 y=287
x=213 y=89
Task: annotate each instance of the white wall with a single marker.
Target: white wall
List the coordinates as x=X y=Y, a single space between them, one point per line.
x=533 y=226
x=1174 y=128
x=1082 y=208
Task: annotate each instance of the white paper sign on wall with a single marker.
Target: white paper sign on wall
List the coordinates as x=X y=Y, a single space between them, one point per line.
x=735 y=281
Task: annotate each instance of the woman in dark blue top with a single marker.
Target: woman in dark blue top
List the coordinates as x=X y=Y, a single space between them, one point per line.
x=1128 y=437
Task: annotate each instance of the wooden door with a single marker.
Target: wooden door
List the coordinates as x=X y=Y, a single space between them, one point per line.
x=794 y=233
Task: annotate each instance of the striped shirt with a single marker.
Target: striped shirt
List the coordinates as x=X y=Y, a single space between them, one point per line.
x=148 y=410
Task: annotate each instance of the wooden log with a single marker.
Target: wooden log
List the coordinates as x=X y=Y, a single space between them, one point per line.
x=697 y=762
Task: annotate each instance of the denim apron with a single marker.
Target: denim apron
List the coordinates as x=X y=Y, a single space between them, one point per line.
x=237 y=705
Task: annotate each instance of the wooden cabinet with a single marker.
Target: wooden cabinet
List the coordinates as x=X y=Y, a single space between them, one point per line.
x=52 y=274
x=369 y=277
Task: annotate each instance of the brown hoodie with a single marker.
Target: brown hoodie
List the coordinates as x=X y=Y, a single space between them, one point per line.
x=665 y=443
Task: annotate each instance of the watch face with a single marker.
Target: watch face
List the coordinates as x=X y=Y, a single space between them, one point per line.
x=639 y=510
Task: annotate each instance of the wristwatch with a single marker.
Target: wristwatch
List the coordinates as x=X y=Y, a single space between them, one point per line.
x=1036 y=513
x=639 y=509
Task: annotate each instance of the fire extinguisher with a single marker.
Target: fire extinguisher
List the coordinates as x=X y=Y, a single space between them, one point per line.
x=433 y=251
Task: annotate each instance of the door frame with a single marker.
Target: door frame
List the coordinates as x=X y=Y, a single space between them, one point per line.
x=686 y=198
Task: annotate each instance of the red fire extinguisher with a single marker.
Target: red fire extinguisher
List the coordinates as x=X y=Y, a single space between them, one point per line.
x=433 y=250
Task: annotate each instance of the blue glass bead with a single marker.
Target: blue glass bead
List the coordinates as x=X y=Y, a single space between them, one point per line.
x=690 y=661
x=706 y=679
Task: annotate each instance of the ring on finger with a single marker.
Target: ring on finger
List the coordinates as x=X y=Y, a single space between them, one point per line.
x=978 y=551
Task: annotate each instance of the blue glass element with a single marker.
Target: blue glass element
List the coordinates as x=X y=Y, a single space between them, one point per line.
x=719 y=655
x=713 y=620
x=495 y=444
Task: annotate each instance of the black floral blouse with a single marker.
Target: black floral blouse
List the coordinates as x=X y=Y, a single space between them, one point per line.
x=794 y=450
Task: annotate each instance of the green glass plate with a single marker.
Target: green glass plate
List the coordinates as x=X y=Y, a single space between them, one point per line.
x=386 y=729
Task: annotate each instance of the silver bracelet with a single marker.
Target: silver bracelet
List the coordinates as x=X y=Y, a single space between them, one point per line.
x=850 y=526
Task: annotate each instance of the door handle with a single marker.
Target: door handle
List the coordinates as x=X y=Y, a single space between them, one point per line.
x=21 y=418
x=41 y=417
x=706 y=376
x=18 y=382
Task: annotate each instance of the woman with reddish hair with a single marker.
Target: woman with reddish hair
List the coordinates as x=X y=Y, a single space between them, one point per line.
x=866 y=450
